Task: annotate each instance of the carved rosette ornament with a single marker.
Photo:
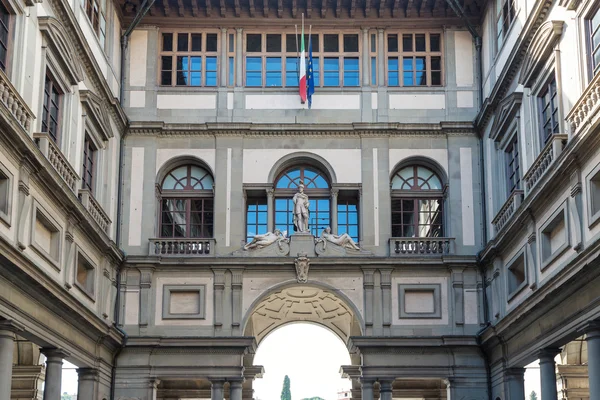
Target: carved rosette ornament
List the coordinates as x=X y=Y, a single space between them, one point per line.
x=302 y=264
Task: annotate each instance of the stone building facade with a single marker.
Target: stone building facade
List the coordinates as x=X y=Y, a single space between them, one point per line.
x=454 y=142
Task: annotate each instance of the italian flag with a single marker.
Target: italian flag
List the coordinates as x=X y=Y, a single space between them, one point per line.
x=302 y=83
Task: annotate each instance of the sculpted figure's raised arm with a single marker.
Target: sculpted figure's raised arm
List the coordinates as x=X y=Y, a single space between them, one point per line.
x=343 y=240
x=301 y=212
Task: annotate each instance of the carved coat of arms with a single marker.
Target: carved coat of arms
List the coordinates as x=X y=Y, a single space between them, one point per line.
x=302 y=264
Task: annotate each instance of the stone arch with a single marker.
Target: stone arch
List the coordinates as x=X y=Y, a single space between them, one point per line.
x=539 y=50
x=302 y=157
x=313 y=302
x=175 y=162
x=423 y=161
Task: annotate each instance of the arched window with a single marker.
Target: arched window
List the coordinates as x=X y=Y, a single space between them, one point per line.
x=186 y=204
x=316 y=186
x=417 y=203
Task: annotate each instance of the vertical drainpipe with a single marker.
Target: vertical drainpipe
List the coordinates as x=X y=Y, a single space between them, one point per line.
x=145 y=6
x=457 y=8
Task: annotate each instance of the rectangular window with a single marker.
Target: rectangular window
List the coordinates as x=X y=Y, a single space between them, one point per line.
x=85 y=275
x=183 y=218
x=505 y=11
x=513 y=166
x=373 y=57
x=256 y=217
x=5 y=27
x=89 y=164
x=417 y=217
x=594 y=41
x=516 y=274
x=230 y=59
x=414 y=59
x=96 y=13
x=51 y=108
x=347 y=214
x=272 y=60
x=548 y=102
x=188 y=59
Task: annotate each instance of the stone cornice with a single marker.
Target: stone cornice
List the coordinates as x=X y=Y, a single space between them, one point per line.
x=223 y=345
x=513 y=63
x=356 y=130
x=64 y=14
x=409 y=344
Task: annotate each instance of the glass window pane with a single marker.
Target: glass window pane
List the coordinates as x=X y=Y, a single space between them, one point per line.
x=331 y=43
x=167 y=42
x=182 y=63
x=195 y=78
x=182 y=42
x=196 y=42
x=291 y=72
x=351 y=75
x=420 y=42
x=211 y=42
x=253 y=42
x=166 y=78
x=350 y=43
x=273 y=43
x=436 y=78
x=167 y=63
x=290 y=43
x=434 y=42
x=407 y=42
x=195 y=63
x=436 y=63
x=374 y=43
x=253 y=71
x=373 y=70
x=231 y=72
x=331 y=72
x=231 y=43
x=273 y=71
x=182 y=78
x=392 y=43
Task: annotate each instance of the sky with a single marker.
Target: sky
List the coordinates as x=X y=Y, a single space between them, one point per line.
x=311 y=356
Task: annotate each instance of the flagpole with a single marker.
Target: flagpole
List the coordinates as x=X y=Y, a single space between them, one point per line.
x=297 y=55
x=302 y=75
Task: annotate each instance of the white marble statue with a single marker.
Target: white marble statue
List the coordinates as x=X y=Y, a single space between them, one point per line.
x=264 y=240
x=301 y=212
x=343 y=240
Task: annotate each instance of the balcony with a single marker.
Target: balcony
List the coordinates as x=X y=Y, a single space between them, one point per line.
x=15 y=104
x=508 y=210
x=584 y=113
x=57 y=159
x=406 y=247
x=95 y=210
x=547 y=156
x=182 y=247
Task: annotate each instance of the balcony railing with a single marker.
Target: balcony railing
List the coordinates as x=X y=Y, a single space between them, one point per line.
x=508 y=210
x=549 y=153
x=186 y=247
x=421 y=246
x=57 y=159
x=14 y=102
x=585 y=111
x=95 y=209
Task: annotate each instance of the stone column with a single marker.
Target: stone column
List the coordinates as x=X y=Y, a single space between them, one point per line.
x=593 y=349
x=216 y=389
x=239 y=60
x=88 y=378
x=385 y=389
x=7 y=347
x=270 y=210
x=367 y=388
x=235 y=390
x=548 y=373
x=224 y=60
x=516 y=383
x=54 y=362
x=366 y=59
x=333 y=210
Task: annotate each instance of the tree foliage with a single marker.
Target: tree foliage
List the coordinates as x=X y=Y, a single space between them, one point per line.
x=286 y=394
x=533 y=395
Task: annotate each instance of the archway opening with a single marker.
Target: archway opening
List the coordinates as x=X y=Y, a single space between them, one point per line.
x=310 y=355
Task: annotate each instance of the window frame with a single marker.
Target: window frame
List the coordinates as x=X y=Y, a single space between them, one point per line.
x=88 y=291
x=203 y=54
x=89 y=147
x=416 y=195
x=103 y=12
x=553 y=106
x=501 y=34
x=559 y=215
x=49 y=76
x=6 y=190
x=511 y=265
x=400 y=54
x=593 y=70
x=187 y=195
x=318 y=55
x=511 y=157
x=10 y=28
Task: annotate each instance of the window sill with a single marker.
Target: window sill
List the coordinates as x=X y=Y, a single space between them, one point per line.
x=552 y=257
x=89 y=294
x=515 y=292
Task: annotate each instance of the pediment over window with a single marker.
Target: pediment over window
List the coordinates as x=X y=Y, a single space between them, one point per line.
x=539 y=50
x=93 y=109
x=55 y=36
x=507 y=110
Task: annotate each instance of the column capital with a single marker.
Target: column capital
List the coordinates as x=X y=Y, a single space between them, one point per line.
x=548 y=354
x=367 y=381
x=54 y=355
x=591 y=329
x=235 y=382
x=11 y=326
x=217 y=383
x=334 y=192
x=385 y=385
x=270 y=192
x=515 y=372
x=87 y=373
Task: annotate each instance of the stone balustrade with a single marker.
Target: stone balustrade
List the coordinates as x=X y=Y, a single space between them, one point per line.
x=421 y=246
x=585 y=111
x=95 y=209
x=57 y=159
x=182 y=247
x=14 y=102
x=508 y=210
x=546 y=157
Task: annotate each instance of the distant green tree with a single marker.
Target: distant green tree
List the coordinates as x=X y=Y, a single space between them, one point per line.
x=313 y=398
x=66 y=396
x=286 y=394
x=533 y=395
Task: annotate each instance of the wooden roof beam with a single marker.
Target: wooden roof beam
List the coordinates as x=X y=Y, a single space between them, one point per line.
x=251 y=7
x=338 y=8
x=352 y=8
x=279 y=8
x=266 y=8
x=395 y=8
x=223 y=8
x=237 y=7
x=195 y=7
x=367 y=8
x=208 y=8
x=323 y=8
x=180 y=8
x=294 y=8
x=166 y=8
x=380 y=5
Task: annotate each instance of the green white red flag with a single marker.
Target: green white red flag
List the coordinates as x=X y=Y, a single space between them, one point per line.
x=302 y=83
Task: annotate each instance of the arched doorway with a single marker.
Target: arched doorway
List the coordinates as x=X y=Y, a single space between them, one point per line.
x=294 y=306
